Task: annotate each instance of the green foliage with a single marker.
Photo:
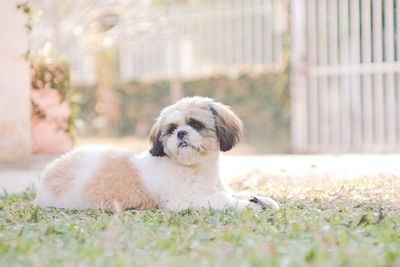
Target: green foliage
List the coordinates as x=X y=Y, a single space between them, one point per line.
x=26 y=8
x=54 y=75
x=292 y=237
x=261 y=101
x=140 y=104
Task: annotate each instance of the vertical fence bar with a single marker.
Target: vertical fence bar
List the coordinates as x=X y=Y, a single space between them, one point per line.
x=210 y=31
x=229 y=27
x=137 y=60
x=142 y=57
x=196 y=35
x=398 y=74
x=158 y=60
x=214 y=40
x=217 y=18
x=367 y=78
x=390 y=79
x=313 y=103
x=257 y=41
x=204 y=56
x=124 y=56
x=298 y=77
x=133 y=59
x=334 y=102
x=248 y=32
x=344 y=81
x=323 y=80
x=378 y=79
x=238 y=32
x=224 y=33
x=355 y=78
x=146 y=57
x=397 y=15
x=277 y=20
x=268 y=36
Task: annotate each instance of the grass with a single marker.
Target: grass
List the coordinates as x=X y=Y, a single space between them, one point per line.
x=323 y=222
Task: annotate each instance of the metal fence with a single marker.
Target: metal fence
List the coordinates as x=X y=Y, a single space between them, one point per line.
x=345 y=57
x=345 y=76
x=192 y=39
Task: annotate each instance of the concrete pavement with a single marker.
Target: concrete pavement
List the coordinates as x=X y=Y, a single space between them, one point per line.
x=16 y=177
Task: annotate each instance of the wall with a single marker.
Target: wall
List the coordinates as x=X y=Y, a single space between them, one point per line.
x=15 y=140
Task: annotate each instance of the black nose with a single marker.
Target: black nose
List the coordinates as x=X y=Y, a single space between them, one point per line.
x=181 y=134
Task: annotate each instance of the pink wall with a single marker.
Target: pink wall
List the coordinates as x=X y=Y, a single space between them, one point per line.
x=49 y=134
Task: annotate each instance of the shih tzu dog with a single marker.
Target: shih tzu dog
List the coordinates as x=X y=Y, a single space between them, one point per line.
x=179 y=172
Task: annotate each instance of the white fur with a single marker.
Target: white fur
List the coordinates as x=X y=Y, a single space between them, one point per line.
x=178 y=187
x=72 y=198
x=186 y=156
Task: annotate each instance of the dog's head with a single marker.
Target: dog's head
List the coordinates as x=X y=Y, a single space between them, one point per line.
x=193 y=129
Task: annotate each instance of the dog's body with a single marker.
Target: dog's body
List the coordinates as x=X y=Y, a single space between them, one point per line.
x=179 y=172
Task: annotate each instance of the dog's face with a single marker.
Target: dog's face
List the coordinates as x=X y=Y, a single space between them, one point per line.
x=193 y=129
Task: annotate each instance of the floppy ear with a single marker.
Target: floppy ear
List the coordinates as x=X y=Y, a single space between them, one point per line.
x=157 y=149
x=229 y=127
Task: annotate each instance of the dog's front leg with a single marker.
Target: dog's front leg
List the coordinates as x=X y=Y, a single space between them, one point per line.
x=219 y=200
x=266 y=202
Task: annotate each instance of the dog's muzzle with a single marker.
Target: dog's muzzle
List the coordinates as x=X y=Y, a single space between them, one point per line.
x=182 y=144
x=181 y=134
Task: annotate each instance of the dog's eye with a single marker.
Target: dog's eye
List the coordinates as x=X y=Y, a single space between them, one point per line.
x=196 y=125
x=171 y=128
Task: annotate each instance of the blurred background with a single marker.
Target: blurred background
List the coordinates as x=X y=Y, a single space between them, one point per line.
x=305 y=76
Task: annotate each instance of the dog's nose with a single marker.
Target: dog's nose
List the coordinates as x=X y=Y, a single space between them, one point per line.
x=181 y=134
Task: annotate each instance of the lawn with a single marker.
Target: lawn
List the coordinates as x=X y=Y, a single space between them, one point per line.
x=323 y=222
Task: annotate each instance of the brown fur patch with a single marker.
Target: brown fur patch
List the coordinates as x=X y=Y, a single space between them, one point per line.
x=210 y=146
x=116 y=184
x=154 y=131
x=59 y=177
x=229 y=126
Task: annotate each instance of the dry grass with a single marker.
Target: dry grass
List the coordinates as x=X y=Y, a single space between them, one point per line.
x=365 y=193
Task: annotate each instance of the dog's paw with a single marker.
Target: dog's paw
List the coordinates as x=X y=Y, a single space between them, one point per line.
x=255 y=206
x=265 y=203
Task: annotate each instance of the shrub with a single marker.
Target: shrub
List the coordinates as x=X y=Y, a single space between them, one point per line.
x=261 y=101
x=54 y=75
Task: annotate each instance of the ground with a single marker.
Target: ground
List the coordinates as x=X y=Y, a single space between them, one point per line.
x=322 y=222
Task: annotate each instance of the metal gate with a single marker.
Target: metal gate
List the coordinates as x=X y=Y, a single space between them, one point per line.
x=345 y=81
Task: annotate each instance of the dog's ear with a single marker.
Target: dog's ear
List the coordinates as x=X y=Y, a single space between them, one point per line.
x=228 y=126
x=157 y=149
